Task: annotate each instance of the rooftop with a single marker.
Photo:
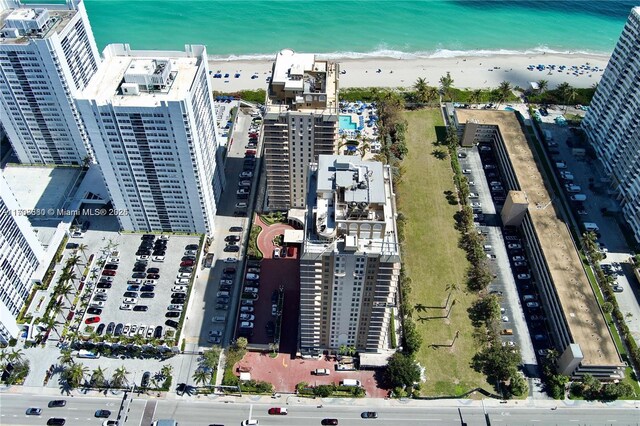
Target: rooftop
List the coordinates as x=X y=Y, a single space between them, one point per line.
x=351 y=207
x=138 y=78
x=33 y=22
x=580 y=307
x=302 y=83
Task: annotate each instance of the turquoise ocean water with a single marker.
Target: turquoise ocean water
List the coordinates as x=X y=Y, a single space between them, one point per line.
x=360 y=28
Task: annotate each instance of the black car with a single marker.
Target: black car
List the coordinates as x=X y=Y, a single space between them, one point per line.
x=191 y=247
x=147 y=295
x=94 y=311
x=235 y=229
x=138 y=275
x=157 y=333
x=153 y=276
x=177 y=301
x=148 y=287
x=225 y=287
x=232 y=238
x=369 y=415
x=232 y=249
x=227 y=277
x=57 y=403
x=159 y=252
x=140 y=308
x=56 y=421
x=188 y=258
x=172 y=314
x=143 y=252
x=110 y=328
x=130 y=294
x=72 y=246
x=118 y=330
x=139 y=268
x=153 y=270
x=111 y=266
x=178 y=296
x=103 y=414
x=145 y=379
x=33 y=411
x=104 y=285
x=171 y=323
x=100 y=329
x=329 y=422
x=222 y=306
x=240 y=213
x=186 y=269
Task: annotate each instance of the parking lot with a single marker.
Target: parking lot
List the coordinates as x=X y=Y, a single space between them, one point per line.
x=130 y=304
x=520 y=310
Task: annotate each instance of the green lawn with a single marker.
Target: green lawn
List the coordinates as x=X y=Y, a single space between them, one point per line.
x=433 y=261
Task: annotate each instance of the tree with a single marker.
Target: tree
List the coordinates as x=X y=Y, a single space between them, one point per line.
x=65 y=289
x=51 y=322
x=567 y=92
x=75 y=373
x=518 y=385
x=607 y=307
x=82 y=248
x=412 y=339
x=98 y=376
x=15 y=356
x=119 y=377
x=241 y=343
x=167 y=370
x=484 y=310
x=543 y=85
x=211 y=357
x=497 y=362
x=421 y=87
x=475 y=96
x=503 y=92
x=73 y=261
x=402 y=371
x=446 y=83
x=201 y=376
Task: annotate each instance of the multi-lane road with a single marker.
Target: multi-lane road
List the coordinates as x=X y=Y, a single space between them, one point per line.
x=80 y=411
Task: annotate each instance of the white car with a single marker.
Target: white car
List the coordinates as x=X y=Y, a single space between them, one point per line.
x=245 y=175
x=158 y=258
x=215 y=333
x=466 y=171
x=101 y=290
x=476 y=205
x=150 y=282
x=97 y=304
x=126 y=307
x=215 y=340
x=246 y=324
x=130 y=300
x=274 y=310
x=190 y=253
x=77 y=234
x=247 y=317
x=514 y=246
x=113 y=260
x=183 y=275
x=181 y=281
x=473 y=195
x=252 y=276
x=164 y=237
x=179 y=289
x=174 y=307
x=251 y=290
x=505 y=318
x=247 y=309
x=230 y=260
x=142 y=257
x=524 y=276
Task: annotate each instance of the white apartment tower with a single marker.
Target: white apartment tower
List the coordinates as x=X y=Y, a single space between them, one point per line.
x=47 y=56
x=151 y=123
x=300 y=123
x=20 y=255
x=613 y=120
x=350 y=262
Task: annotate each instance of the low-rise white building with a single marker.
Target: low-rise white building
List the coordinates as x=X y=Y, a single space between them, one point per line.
x=151 y=122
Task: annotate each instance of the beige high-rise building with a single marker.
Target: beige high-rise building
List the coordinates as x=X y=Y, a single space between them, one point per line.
x=350 y=262
x=300 y=123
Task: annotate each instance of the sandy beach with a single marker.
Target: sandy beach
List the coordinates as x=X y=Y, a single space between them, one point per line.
x=467 y=72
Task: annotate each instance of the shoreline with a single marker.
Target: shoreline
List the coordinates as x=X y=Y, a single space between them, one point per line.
x=468 y=72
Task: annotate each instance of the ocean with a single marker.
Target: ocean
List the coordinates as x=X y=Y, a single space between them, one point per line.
x=249 y=29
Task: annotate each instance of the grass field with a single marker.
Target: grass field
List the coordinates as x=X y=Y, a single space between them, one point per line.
x=434 y=262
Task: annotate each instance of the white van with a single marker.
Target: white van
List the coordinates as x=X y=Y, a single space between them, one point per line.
x=322 y=372
x=350 y=382
x=590 y=227
x=83 y=353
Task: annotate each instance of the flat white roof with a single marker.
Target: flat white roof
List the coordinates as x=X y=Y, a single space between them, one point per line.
x=104 y=86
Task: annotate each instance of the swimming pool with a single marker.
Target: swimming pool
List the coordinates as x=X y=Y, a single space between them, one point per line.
x=346 y=123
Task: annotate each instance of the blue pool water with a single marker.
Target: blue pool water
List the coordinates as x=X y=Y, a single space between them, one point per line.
x=346 y=123
x=509 y=109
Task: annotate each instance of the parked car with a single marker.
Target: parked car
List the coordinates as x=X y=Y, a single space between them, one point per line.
x=171 y=323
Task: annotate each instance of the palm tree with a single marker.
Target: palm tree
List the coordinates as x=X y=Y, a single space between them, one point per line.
x=65 y=289
x=446 y=83
x=82 y=248
x=119 y=377
x=166 y=370
x=75 y=373
x=201 y=376
x=565 y=90
x=543 y=85
x=421 y=89
x=51 y=323
x=431 y=94
x=504 y=90
x=475 y=96
x=65 y=357
x=98 y=376
x=73 y=261
x=15 y=356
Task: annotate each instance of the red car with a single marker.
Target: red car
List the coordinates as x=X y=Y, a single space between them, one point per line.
x=92 y=320
x=278 y=411
x=250 y=152
x=109 y=272
x=186 y=263
x=290 y=251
